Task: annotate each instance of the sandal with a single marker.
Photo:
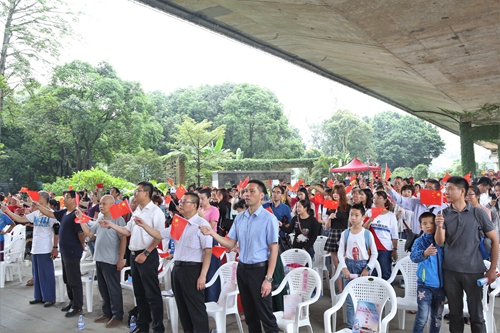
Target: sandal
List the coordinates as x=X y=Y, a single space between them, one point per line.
x=30 y=282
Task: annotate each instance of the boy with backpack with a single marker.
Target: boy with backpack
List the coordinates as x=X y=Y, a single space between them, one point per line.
x=357 y=252
x=430 y=291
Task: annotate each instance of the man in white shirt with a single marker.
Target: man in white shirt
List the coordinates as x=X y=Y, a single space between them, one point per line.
x=144 y=259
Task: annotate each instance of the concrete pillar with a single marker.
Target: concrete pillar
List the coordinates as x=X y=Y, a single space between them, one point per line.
x=467 y=148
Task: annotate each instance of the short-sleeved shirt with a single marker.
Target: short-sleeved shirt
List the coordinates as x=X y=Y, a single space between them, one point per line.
x=69 y=243
x=212 y=214
x=43 y=233
x=384 y=229
x=461 y=245
x=152 y=216
x=282 y=212
x=107 y=243
x=192 y=242
x=254 y=233
x=5 y=220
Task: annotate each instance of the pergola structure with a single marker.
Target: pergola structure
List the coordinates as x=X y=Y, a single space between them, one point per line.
x=437 y=60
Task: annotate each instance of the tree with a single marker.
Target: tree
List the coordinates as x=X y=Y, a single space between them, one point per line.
x=344 y=132
x=202 y=148
x=144 y=165
x=256 y=123
x=401 y=172
x=420 y=172
x=32 y=33
x=404 y=141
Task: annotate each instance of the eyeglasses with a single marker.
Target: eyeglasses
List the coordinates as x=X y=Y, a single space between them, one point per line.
x=185 y=201
x=140 y=191
x=471 y=194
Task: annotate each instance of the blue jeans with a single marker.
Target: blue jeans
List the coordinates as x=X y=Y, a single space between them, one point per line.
x=429 y=300
x=354 y=267
x=385 y=260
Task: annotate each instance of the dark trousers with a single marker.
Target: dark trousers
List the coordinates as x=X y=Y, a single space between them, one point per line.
x=257 y=308
x=108 y=280
x=454 y=285
x=72 y=277
x=43 y=277
x=147 y=292
x=190 y=301
x=385 y=260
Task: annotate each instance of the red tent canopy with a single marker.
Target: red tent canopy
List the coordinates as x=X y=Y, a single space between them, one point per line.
x=356 y=165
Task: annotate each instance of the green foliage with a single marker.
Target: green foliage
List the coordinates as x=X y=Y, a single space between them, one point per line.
x=455 y=169
x=404 y=141
x=344 y=132
x=196 y=142
x=420 y=172
x=89 y=179
x=401 y=172
x=144 y=165
x=312 y=152
x=255 y=122
x=267 y=164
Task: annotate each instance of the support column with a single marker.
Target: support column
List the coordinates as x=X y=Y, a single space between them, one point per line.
x=468 y=159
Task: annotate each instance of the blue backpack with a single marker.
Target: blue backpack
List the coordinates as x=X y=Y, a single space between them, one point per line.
x=367 y=240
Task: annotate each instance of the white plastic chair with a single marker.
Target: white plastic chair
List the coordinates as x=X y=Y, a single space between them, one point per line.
x=409 y=302
x=169 y=300
x=296 y=256
x=229 y=302
x=230 y=256
x=370 y=289
x=58 y=274
x=335 y=297
x=490 y=311
x=401 y=249
x=88 y=282
x=13 y=257
x=296 y=285
x=320 y=256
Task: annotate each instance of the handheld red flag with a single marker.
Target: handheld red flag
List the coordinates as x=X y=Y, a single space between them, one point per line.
x=269 y=182
x=269 y=210
x=218 y=251
x=348 y=189
x=120 y=209
x=178 y=225
x=180 y=191
x=376 y=211
x=467 y=177
x=33 y=195
x=239 y=186
x=446 y=177
x=318 y=199
x=329 y=183
x=171 y=182
x=70 y=188
x=61 y=202
x=353 y=177
x=100 y=185
x=84 y=219
x=387 y=173
x=77 y=200
x=245 y=183
x=431 y=197
x=23 y=190
x=168 y=199
x=331 y=204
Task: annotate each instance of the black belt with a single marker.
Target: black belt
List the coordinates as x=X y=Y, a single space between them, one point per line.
x=186 y=263
x=137 y=252
x=259 y=264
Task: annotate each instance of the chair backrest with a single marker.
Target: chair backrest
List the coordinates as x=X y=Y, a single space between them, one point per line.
x=15 y=250
x=319 y=248
x=409 y=271
x=401 y=249
x=231 y=256
x=166 y=275
x=19 y=229
x=296 y=256
x=304 y=281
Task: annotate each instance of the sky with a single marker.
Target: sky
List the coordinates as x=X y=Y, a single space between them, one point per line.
x=165 y=53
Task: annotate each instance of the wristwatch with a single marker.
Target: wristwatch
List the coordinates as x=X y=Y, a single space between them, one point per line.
x=368 y=269
x=270 y=279
x=146 y=253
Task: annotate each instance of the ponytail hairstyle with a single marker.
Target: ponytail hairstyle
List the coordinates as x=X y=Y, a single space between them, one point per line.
x=388 y=204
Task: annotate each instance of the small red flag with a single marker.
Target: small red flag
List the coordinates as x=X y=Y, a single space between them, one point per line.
x=331 y=204
x=245 y=183
x=168 y=199
x=120 y=209
x=269 y=209
x=180 y=191
x=387 y=172
x=61 y=203
x=446 y=177
x=178 y=225
x=269 y=182
x=163 y=254
x=329 y=183
x=431 y=197
x=239 y=186
x=376 y=211
x=348 y=189
x=318 y=199
x=171 y=182
x=467 y=177
x=70 y=188
x=353 y=177
x=33 y=195
x=77 y=200
x=84 y=219
x=23 y=190
x=218 y=251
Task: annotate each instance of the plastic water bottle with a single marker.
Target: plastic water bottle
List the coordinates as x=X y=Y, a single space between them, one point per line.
x=355 y=327
x=482 y=281
x=133 y=324
x=81 y=323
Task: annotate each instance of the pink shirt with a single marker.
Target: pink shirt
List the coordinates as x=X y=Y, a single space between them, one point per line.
x=212 y=214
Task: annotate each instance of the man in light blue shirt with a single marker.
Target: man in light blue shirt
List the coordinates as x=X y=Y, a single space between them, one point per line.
x=256 y=231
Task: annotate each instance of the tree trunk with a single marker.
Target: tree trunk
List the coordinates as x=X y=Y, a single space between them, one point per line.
x=3 y=55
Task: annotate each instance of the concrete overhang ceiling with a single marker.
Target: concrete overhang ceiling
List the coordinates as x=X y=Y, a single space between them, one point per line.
x=438 y=60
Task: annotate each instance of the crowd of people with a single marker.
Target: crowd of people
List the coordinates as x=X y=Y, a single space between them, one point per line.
x=362 y=228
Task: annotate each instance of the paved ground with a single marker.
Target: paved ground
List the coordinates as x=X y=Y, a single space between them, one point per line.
x=17 y=315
